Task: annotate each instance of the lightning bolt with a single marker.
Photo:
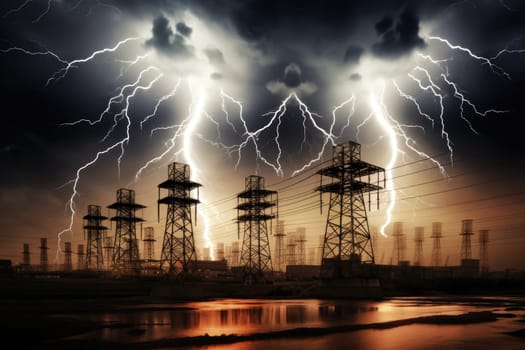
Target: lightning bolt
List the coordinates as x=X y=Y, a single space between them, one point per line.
x=61 y=73
x=378 y=111
x=185 y=131
x=275 y=121
x=35 y=53
x=464 y=100
x=46 y=11
x=433 y=88
x=123 y=114
x=494 y=67
x=393 y=130
x=196 y=118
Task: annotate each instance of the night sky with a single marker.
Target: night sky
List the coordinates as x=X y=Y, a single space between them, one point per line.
x=447 y=76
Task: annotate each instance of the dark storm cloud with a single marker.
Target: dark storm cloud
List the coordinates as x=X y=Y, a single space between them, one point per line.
x=166 y=41
x=184 y=29
x=353 y=54
x=291 y=81
x=292 y=75
x=383 y=25
x=401 y=39
x=280 y=29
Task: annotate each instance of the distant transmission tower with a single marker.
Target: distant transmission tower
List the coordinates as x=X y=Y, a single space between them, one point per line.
x=44 y=262
x=436 y=243
x=68 y=261
x=301 y=240
x=252 y=206
x=126 y=249
x=108 y=251
x=418 y=244
x=279 y=247
x=26 y=258
x=236 y=254
x=399 y=243
x=466 y=233
x=149 y=244
x=347 y=235
x=484 y=251
x=291 y=256
x=220 y=251
x=94 y=231
x=178 y=247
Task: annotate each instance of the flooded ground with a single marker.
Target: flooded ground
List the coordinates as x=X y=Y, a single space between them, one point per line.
x=409 y=323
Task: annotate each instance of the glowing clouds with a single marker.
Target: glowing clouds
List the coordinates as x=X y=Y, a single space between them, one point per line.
x=291 y=83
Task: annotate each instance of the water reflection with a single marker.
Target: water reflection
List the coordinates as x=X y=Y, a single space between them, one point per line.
x=151 y=322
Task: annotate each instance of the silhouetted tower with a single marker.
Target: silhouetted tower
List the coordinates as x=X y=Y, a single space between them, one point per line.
x=220 y=251
x=418 y=245
x=108 y=251
x=236 y=254
x=279 y=256
x=81 y=261
x=436 y=243
x=301 y=240
x=26 y=258
x=347 y=235
x=94 y=231
x=399 y=243
x=125 y=248
x=149 y=244
x=291 y=256
x=178 y=246
x=68 y=262
x=466 y=245
x=254 y=208
x=44 y=262
x=483 y=251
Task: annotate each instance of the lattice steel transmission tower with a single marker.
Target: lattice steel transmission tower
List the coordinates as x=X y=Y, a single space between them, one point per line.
x=466 y=244
x=484 y=251
x=279 y=247
x=347 y=242
x=436 y=243
x=219 y=252
x=178 y=247
x=26 y=258
x=291 y=256
x=94 y=232
x=418 y=245
x=399 y=243
x=44 y=262
x=236 y=254
x=108 y=251
x=301 y=240
x=255 y=207
x=125 y=248
x=149 y=244
x=68 y=261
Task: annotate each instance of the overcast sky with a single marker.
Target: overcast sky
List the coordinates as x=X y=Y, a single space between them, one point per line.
x=327 y=53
